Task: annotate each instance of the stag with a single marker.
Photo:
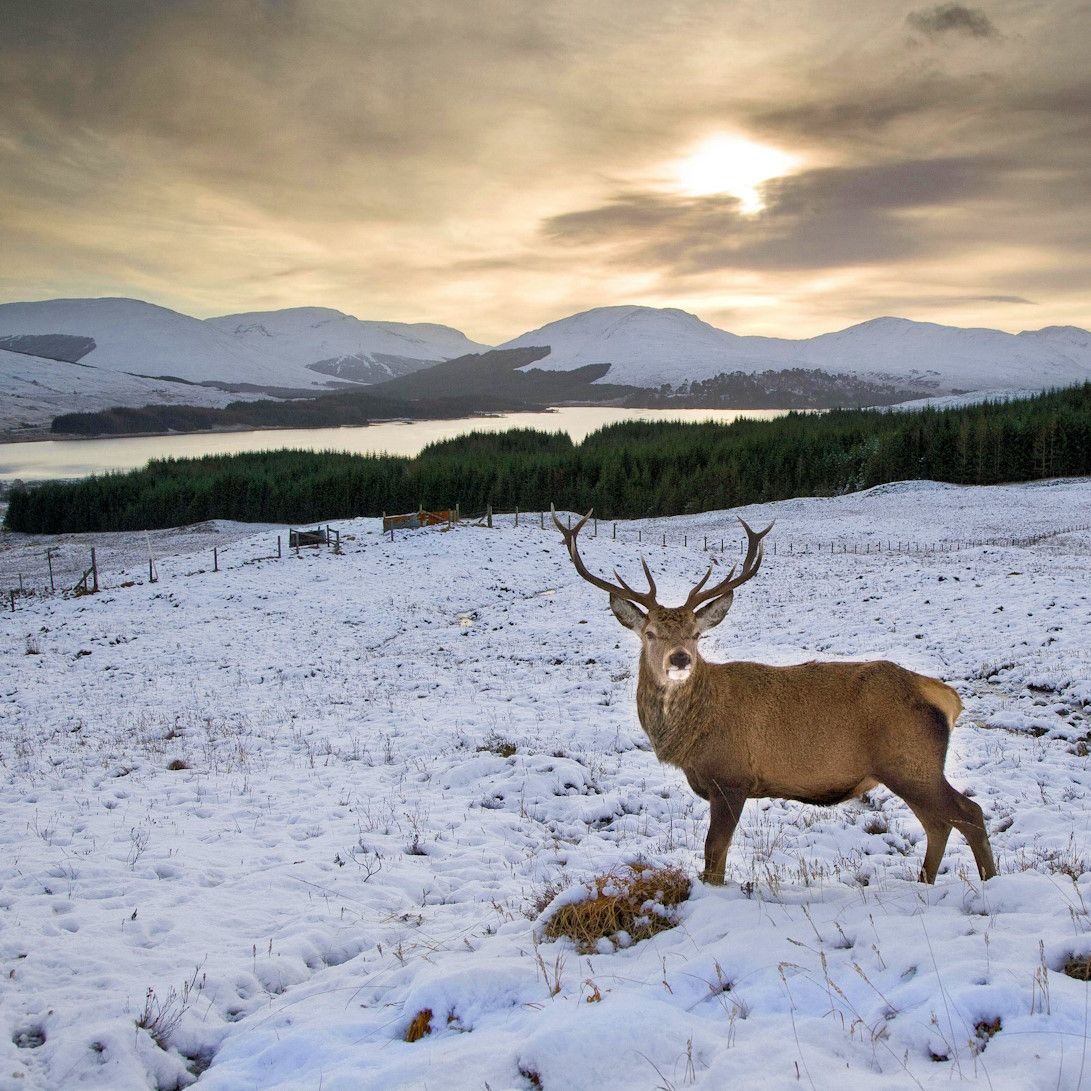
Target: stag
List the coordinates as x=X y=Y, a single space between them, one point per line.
x=818 y=732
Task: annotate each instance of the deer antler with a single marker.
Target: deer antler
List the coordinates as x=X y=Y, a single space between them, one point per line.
x=750 y=566
x=621 y=589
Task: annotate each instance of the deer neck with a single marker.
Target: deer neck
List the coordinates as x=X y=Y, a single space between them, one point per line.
x=672 y=713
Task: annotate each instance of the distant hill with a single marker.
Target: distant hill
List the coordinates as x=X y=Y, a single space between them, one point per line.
x=65 y=355
x=331 y=343
x=650 y=347
x=84 y=355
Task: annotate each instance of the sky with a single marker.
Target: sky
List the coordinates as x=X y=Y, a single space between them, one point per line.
x=776 y=168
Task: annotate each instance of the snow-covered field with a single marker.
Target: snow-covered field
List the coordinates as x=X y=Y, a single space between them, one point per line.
x=272 y=813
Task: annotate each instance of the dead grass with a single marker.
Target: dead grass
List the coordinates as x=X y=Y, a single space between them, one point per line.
x=1078 y=966
x=419 y=1026
x=621 y=907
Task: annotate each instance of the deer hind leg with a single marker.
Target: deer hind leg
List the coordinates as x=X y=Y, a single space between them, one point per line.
x=725 y=808
x=970 y=822
x=939 y=808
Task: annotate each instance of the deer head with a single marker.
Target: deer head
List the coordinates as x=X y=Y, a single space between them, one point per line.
x=669 y=634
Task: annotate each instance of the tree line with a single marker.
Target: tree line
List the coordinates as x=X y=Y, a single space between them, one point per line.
x=633 y=469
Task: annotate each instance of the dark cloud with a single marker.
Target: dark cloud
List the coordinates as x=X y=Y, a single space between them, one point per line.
x=818 y=218
x=952 y=19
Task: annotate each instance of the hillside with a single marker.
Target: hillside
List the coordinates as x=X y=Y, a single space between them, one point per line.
x=649 y=347
x=331 y=343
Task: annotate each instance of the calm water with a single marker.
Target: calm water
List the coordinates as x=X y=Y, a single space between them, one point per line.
x=79 y=457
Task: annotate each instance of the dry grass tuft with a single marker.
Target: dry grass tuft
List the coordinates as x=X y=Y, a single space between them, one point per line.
x=178 y=765
x=621 y=907
x=419 y=1025
x=1078 y=966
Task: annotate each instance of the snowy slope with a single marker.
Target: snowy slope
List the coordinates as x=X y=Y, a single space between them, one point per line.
x=34 y=390
x=375 y=350
x=132 y=339
x=140 y=338
x=649 y=346
x=343 y=842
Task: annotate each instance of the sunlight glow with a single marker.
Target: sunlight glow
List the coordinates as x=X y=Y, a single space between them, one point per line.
x=735 y=166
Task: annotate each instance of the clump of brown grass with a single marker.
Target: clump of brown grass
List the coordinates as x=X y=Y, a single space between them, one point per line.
x=419 y=1025
x=1078 y=966
x=636 y=902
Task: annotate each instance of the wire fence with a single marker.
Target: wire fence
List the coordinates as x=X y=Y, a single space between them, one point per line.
x=77 y=569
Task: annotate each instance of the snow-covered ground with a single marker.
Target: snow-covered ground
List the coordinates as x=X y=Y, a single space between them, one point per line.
x=274 y=812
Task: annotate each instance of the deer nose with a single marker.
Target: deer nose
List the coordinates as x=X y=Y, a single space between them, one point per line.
x=679 y=659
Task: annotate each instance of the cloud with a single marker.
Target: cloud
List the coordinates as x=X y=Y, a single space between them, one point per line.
x=819 y=218
x=490 y=164
x=952 y=19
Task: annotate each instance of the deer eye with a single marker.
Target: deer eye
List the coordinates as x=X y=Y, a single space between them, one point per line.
x=651 y=635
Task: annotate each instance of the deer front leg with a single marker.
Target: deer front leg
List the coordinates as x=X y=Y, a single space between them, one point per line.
x=725 y=808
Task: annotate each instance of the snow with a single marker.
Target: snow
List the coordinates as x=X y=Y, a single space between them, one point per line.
x=346 y=844
x=306 y=335
x=35 y=390
x=134 y=339
x=649 y=346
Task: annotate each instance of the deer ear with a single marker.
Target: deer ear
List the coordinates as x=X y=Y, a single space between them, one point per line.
x=627 y=613
x=708 y=617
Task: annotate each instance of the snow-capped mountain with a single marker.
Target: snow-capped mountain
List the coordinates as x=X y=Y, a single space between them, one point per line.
x=649 y=346
x=139 y=338
x=71 y=355
x=331 y=343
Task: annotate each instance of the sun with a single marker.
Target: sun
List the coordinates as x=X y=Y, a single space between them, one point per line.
x=735 y=166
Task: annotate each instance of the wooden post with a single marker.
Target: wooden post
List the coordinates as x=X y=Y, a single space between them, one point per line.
x=11 y=595
x=664 y=541
x=488 y=517
x=215 y=559
x=685 y=541
x=392 y=534
x=705 y=546
x=541 y=519
x=49 y=561
x=639 y=536
x=517 y=516
x=570 y=522
x=151 y=573
x=94 y=569
x=458 y=512
x=615 y=532
x=595 y=520
x=279 y=554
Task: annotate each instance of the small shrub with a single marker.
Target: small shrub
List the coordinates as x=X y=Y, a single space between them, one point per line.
x=419 y=1026
x=636 y=903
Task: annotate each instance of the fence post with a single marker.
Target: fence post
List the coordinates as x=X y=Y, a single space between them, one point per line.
x=488 y=517
x=11 y=594
x=639 y=536
x=215 y=559
x=664 y=541
x=49 y=561
x=615 y=532
x=392 y=534
x=541 y=519
x=94 y=569
x=596 y=522
x=458 y=511
x=279 y=554
x=151 y=574
x=516 y=516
